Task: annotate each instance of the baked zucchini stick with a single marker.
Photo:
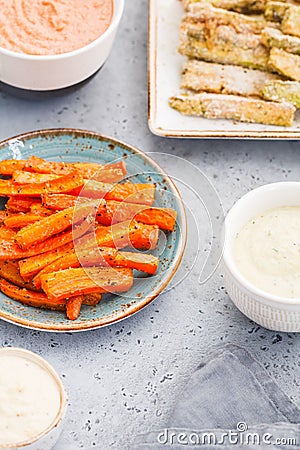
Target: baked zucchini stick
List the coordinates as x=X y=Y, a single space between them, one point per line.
x=278 y=91
x=291 y=21
x=287 y=14
x=275 y=11
x=274 y=38
x=223 y=45
x=285 y=63
x=219 y=106
x=242 y=6
x=204 y=12
x=220 y=79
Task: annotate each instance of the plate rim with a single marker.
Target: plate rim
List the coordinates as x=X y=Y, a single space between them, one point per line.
x=203 y=134
x=96 y=324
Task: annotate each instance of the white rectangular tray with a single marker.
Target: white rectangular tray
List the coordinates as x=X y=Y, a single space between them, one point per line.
x=165 y=65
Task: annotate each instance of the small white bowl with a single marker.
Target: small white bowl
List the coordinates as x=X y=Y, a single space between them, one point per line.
x=48 y=438
x=270 y=311
x=51 y=72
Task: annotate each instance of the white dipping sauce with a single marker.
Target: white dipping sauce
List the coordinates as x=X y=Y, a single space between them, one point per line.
x=29 y=399
x=267 y=251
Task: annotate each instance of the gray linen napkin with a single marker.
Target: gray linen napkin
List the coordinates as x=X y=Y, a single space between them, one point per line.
x=230 y=392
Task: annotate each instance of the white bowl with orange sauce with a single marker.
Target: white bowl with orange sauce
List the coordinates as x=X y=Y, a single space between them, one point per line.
x=46 y=72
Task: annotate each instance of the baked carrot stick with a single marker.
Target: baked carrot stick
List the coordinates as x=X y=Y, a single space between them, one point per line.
x=7 y=233
x=9 y=270
x=40 y=210
x=59 y=202
x=100 y=257
x=127 y=234
x=105 y=256
x=64 y=183
x=29 y=267
x=129 y=192
x=27 y=297
x=21 y=220
x=73 y=307
x=91 y=170
x=114 y=212
x=9 y=166
x=40 y=165
x=10 y=250
x=21 y=204
x=54 y=224
x=111 y=211
x=22 y=177
x=71 y=282
x=107 y=175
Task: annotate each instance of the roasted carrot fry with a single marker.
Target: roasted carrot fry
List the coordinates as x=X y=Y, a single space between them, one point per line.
x=21 y=220
x=40 y=210
x=40 y=165
x=9 y=270
x=21 y=204
x=59 y=202
x=71 y=282
x=107 y=175
x=139 y=261
x=7 y=233
x=100 y=257
x=129 y=233
x=91 y=170
x=37 y=299
x=73 y=307
x=112 y=211
x=65 y=183
x=51 y=225
x=9 y=166
x=10 y=250
x=29 y=267
x=22 y=177
x=129 y=192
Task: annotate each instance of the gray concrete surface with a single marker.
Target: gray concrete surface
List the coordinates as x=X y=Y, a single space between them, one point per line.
x=124 y=379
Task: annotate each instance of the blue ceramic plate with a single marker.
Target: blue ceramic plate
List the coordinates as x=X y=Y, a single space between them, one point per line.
x=75 y=145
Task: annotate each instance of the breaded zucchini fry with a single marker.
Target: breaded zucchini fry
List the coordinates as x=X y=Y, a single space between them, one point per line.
x=291 y=21
x=285 y=63
x=275 y=11
x=221 y=79
x=242 y=6
x=223 y=45
x=219 y=106
x=204 y=12
x=282 y=91
x=286 y=13
x=274 y=38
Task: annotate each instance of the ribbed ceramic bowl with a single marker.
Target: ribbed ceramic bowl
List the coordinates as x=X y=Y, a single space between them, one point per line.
x=48 y=438
x=52 y=72
x=75 y=145
x=270 y=311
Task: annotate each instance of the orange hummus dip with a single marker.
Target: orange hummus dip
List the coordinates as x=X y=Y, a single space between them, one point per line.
x=51 y=27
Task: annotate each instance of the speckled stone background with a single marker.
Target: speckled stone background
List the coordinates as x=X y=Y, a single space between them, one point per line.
x=124 y=379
